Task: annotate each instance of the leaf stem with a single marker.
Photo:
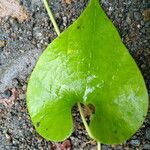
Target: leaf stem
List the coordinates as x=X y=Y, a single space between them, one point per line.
x=86 y=126
x=84 y=121
x=51 y=17
x=98 y=146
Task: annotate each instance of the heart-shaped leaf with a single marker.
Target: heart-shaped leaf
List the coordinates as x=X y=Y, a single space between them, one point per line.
x=88 y=63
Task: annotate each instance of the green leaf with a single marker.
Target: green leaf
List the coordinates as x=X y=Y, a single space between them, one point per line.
x=88 y=63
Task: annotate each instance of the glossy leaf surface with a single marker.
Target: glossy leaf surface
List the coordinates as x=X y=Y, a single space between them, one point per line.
x=88 y=63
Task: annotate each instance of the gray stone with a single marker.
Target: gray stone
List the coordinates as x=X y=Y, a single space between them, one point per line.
x=135 y=143
x=147 y=133
x=146 y=147
x=7 y=93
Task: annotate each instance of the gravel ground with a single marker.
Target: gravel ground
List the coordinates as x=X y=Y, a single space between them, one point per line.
x=22 y=43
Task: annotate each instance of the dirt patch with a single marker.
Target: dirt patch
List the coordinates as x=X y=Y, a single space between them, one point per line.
x=14 y=9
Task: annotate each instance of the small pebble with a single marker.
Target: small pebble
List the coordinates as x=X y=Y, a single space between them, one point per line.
x=135 y=143
x=22 y=96
x=7 y=93
x=146 y=14
x=2 y=43
x=138 y=26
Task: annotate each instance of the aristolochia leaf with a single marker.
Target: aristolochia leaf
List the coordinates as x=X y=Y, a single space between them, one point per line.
x=88 y=63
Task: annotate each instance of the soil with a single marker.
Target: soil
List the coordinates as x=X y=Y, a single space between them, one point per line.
x=21 y=43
